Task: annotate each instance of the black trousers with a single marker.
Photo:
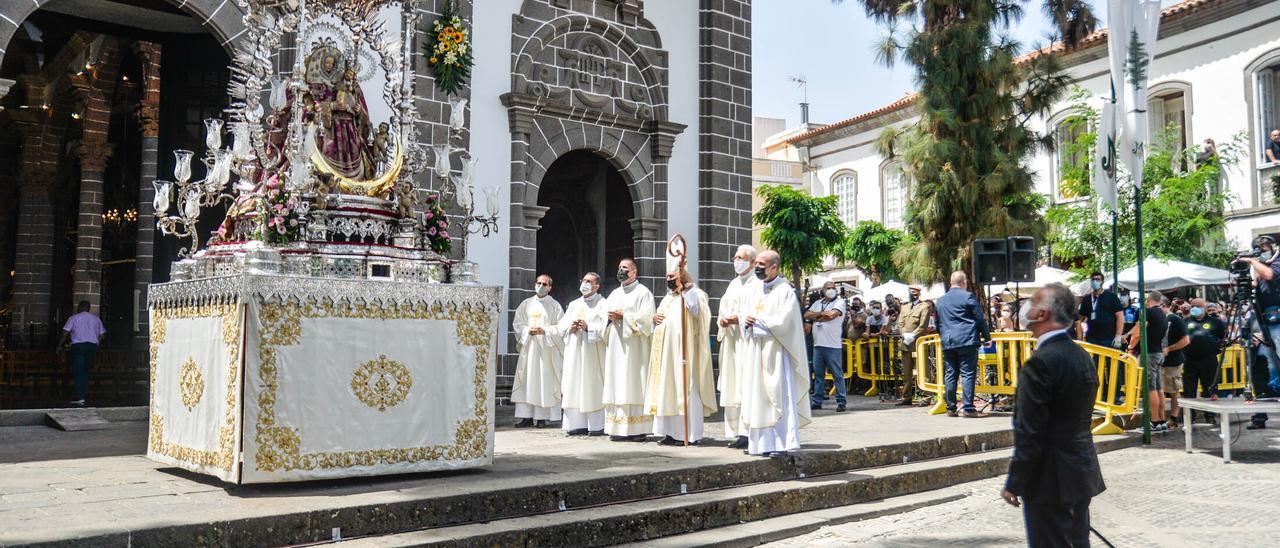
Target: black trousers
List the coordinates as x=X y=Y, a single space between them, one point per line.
x=1199 y=377
x=1055 y=525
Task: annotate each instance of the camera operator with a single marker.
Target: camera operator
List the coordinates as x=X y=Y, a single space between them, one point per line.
x=1266 y=273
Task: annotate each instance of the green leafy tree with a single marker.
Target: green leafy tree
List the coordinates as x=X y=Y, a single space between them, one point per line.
x=1183 y=201
x=801 y=228
x=869 y=247
x=967 y=154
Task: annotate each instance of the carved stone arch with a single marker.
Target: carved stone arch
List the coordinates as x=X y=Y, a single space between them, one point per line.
x=623 y=150
x=222 y=18
x=572 y=52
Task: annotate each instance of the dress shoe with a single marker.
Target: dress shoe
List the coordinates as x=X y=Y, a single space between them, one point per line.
x=952 y=414
x=973 y=415
x=524 y=423
x=539 y=424
x=578 y=432
x=840 y=408
x=670 y=441
x=595 y=433
x=740 y=443
x=617 y=438
x=637 y=437
x=776 y=454
x=1256 y=426
x=815 y=407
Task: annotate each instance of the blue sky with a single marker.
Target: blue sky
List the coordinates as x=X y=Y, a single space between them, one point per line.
x=831 y=45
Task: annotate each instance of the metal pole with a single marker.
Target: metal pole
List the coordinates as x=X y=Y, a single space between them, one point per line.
x=1115 y=252
x=1142 y=312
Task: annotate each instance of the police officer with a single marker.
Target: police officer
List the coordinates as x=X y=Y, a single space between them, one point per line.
x=1201 y=354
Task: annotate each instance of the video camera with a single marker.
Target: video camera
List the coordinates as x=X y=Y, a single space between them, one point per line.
x=1242 y=272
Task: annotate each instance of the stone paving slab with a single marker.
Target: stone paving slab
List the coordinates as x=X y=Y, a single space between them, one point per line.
x=102 y=479
x=1156 y=496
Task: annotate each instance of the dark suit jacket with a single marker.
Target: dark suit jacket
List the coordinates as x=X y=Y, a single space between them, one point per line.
x=960 y=320
x=1054 y=461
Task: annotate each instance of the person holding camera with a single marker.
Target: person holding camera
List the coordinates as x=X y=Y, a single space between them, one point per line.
x=1266 y=273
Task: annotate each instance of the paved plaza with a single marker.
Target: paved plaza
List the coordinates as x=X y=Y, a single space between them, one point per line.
x=1156 y=496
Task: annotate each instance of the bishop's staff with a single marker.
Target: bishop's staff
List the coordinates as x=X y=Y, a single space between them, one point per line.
x=676 y=248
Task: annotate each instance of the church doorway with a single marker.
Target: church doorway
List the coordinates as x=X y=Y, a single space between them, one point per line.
x=587 y=226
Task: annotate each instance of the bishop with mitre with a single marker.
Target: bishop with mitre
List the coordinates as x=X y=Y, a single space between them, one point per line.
x=626 y=357
x=680 y=389
x=776 y=370
x=536 y=389
x=582 y=382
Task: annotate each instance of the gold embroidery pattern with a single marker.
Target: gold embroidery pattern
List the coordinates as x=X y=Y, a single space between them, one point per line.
x=224 y=456
x=279 y=447
x=190 y=383
x=381 y=383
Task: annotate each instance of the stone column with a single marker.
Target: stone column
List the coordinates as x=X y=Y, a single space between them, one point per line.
x=724 y=158
x=88 y=270
x=149 y=121
x=33 y=269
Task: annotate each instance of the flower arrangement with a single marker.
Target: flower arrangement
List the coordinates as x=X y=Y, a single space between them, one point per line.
x=279 y=220
x=449 y=51
x=435 y=225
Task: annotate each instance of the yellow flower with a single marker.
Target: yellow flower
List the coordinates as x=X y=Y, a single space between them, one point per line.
x=442 y=36
x=433 y=60
x=445 y=46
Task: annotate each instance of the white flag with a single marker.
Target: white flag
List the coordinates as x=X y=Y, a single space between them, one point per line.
x=1104 y=163
x=1141 y=22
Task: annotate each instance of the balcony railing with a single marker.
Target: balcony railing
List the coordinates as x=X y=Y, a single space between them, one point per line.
x=1267 y=189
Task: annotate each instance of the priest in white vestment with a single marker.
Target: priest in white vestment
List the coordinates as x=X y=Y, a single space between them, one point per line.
x=776 y=372
x=680 y=363
x=626 y=357
x=536 y=389
x=583 y=377
x=732 y=346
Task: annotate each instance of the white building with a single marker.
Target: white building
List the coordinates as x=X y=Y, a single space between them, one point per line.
x=1216 y=73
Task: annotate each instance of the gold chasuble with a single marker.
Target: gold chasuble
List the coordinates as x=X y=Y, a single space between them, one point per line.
x=665 y=395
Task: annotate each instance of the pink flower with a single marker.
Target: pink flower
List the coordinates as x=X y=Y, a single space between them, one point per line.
x=280 y=228
x=443 y=224
x=293 y=222
x=429 y=215
x=444 y=234
x=271 y=222
x=273 y=181
x=279 y=220
x=432 y=231
x=279 y=207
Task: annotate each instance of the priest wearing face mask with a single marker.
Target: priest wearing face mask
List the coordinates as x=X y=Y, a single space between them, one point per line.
x=626 y=357
x=680 y=391
x=1054 y=472
x=732 y=344
x=583 y=327
x=536 y=389
x=776 y=371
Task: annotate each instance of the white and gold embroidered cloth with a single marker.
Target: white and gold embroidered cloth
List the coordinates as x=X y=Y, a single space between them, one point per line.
x=275 y=378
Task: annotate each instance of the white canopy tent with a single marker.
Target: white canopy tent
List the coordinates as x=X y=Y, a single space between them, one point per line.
x=891 y=287
x=1163 y=275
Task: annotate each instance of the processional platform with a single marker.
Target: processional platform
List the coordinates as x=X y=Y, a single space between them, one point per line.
x=317 y=335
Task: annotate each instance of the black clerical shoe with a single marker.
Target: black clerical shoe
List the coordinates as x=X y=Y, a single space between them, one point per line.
x=776 y=454
x=524 y=423
x=840 y=408
x=1256 y=426
x=637 y=437
x=595 y=433
x=670 y=441
x=740 y=443
x=578 y=432
x=539 y=424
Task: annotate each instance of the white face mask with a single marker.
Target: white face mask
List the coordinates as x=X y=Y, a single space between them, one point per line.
x=1024 y=315
x=876 y=311
x=541 y=290
x=1006 y=314
x=740 y=266
x=585 y=289
x=830 y=293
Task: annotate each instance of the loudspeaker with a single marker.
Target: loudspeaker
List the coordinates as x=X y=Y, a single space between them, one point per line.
x=991 y=260
x=1022 y=259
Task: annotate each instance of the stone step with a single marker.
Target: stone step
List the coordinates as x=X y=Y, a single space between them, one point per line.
x=665 y=516
x=77 y=419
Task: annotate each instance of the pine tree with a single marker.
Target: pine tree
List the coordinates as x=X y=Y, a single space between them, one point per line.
x=967 y=153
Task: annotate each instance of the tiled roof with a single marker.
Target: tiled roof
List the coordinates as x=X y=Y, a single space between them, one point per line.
x=1096 y=38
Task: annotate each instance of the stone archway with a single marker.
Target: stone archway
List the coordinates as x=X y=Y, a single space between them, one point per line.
x=587 y=223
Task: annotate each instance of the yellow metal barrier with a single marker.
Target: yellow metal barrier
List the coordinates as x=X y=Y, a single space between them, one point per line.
x=1235 y=368
x=881 y=353
x=848 y=367
x=998 y=374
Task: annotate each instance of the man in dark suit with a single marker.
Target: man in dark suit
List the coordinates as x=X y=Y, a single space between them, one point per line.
x=962 y=328
x=1054 y=467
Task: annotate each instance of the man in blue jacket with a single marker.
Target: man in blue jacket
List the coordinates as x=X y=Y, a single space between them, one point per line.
x=962 y=328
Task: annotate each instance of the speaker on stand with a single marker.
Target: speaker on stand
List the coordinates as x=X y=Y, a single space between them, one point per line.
x=991 y=261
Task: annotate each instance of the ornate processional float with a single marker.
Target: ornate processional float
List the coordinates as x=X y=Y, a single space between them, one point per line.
x=322 y=332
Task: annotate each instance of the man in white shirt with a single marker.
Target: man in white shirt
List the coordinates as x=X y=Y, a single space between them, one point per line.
x=827 y=315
